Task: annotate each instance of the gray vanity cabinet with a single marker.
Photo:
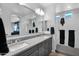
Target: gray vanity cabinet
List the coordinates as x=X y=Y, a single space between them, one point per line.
x=35 y=50
x=35 y=53
x=41 y=49
x=46 y=47
x=49 y=45
x=29 y=52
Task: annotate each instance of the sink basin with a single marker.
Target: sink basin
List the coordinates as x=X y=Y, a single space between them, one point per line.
x=17 y=46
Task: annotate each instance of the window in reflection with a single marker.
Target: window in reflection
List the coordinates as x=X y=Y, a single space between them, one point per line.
x=15 y=27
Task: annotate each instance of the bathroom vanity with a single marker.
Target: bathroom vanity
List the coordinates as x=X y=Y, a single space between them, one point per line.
x=36 y=46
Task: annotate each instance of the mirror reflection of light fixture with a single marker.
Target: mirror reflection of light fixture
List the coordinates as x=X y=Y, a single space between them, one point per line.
x=39 y=11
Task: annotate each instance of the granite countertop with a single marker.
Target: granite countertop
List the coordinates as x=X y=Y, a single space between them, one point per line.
x=26 y=44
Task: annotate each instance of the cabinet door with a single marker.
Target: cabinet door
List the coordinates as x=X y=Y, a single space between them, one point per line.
x=49 y=45
x=35 y=53
x=41 y=49
x=46 y=48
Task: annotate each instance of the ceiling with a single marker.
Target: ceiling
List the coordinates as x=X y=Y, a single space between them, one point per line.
x=59 y=6
x=15 y=8
x=27 y=8
x=66 y=6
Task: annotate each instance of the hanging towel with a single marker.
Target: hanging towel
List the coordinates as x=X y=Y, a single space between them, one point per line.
x=62 y=36
x=71 y=38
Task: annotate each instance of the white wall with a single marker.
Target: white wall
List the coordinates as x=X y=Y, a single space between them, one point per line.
x=50 y=18
x=71 y=23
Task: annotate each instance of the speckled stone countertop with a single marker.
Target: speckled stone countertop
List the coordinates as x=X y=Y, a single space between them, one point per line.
x=26 y=44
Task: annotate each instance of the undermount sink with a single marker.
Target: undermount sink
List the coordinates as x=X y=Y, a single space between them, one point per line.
x=18 y=46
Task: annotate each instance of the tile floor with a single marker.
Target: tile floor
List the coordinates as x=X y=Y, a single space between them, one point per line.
x=56 y=54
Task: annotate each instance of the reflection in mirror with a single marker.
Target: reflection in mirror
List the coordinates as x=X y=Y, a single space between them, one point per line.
x=15 y=27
